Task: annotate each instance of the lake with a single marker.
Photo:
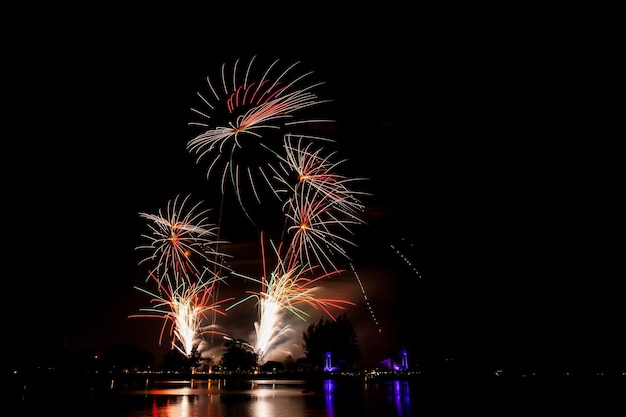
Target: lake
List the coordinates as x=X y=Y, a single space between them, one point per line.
x=148 y=396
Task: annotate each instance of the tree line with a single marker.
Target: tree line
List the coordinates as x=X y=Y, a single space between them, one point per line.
x=336 y=337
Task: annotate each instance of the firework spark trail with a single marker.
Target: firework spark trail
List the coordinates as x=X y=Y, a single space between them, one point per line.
x=405 y=259
x=367 y=301
x=289 y=285
x=315 y=171
x=312 y=237
x=318 y=204
x=251 y=109
x=184 y=307
x=178 y=234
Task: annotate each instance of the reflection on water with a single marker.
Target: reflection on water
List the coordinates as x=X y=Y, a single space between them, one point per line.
x=388 y=398
x=264 y=398
x=105 y=396
x=220 y=398
x=267 y=404
x=329 y=387
x=399 y=395
x=270 y=398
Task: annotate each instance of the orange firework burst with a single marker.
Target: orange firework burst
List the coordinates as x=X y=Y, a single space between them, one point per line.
x=252 y=115
x=185 y=308
x=289 y=289
x=177 y=236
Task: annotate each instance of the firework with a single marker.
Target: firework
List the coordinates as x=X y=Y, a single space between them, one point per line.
x=179 y=235
x=320 y=203
x=288 y=290
x=246 y=136
x=366 y=299
x=185 y=307
x=250 y=113
x=316 y=226
x=315 y=171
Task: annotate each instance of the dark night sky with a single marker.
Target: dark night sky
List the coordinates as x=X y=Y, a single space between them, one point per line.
x=488 y=145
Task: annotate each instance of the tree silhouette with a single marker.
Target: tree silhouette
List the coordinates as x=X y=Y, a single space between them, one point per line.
x=174 y=361
x=335 y=336
x=239 y=356
x=272 y=367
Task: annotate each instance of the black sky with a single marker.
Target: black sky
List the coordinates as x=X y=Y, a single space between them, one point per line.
x=488 y=144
